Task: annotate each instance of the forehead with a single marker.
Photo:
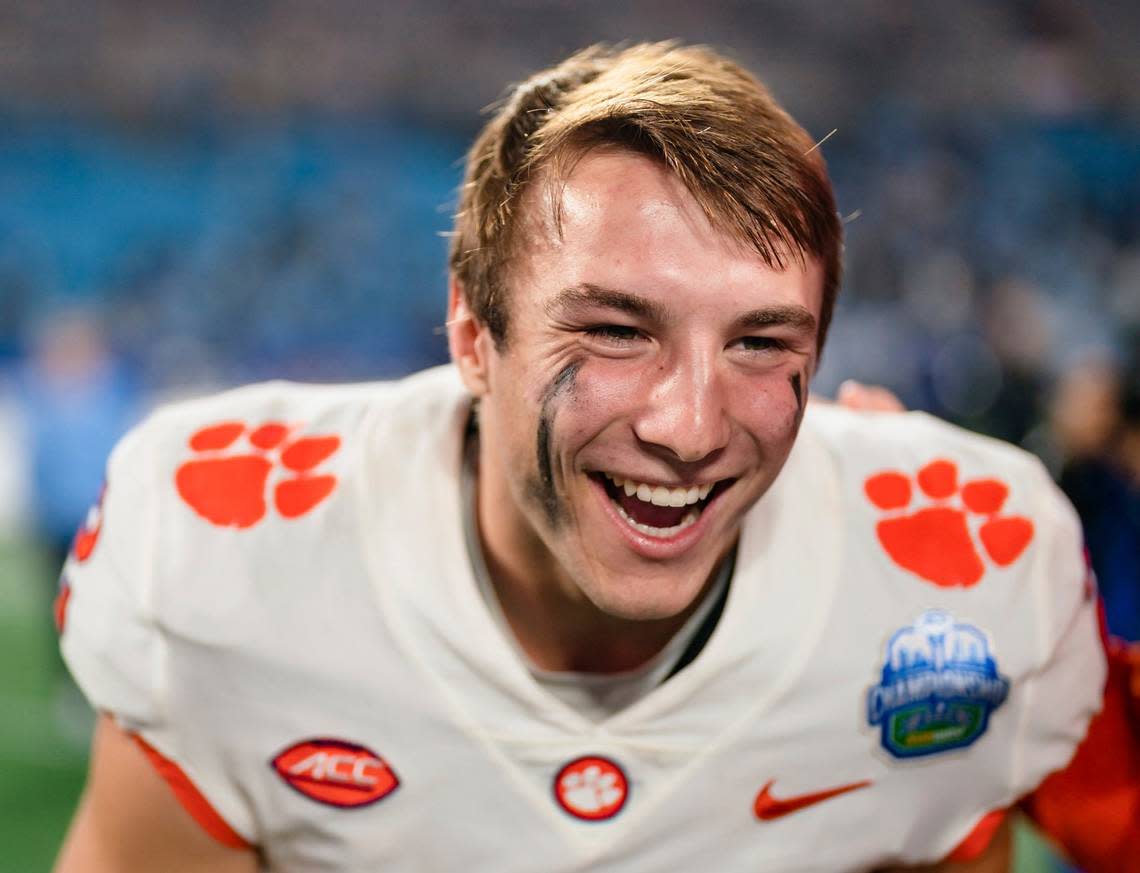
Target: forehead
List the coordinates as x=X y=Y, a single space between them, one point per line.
x=610 y=196
x=624 y=220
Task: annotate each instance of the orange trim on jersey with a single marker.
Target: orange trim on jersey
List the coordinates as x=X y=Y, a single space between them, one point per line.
x=59 y=607
x=191 y=798
x=978 y=840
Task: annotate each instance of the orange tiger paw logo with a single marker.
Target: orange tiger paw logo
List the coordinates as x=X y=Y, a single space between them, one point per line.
x=939 y=542
x=228 y=488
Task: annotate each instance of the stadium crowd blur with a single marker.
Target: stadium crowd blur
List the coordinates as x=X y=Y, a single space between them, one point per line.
x=198 y=195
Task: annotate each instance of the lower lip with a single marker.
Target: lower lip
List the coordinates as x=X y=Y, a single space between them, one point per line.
x=656 y=548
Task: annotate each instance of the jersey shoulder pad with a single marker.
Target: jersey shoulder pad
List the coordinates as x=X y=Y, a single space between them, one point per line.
x=862 y=440
x=957 y=509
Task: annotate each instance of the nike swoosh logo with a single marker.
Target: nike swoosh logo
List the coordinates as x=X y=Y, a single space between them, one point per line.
x=768 y=807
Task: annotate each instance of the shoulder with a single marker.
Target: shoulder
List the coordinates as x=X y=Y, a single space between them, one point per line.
x=245 y=542
x=970 y=516
x=296 y=407
x=956 y=538
x=862 y=441
x=292 y=425
x=891 y=466
x=258 y=473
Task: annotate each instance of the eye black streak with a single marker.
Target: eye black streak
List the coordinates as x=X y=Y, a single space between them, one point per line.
x=543 y=489
x=796 y=380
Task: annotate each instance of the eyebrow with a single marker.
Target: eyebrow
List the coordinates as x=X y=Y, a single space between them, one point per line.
x=796 y=317
x=588 y=294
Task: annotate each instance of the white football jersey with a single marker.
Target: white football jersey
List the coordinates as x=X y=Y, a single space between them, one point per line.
x=277 y=597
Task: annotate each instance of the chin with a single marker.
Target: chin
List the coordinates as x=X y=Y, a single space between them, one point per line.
x=645 y=599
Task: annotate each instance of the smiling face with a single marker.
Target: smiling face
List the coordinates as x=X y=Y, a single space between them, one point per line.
x=649 y=391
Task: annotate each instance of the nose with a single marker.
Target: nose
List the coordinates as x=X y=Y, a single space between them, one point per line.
x=684 y=412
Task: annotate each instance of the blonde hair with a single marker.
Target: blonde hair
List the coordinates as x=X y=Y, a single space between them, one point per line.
x=755 y=172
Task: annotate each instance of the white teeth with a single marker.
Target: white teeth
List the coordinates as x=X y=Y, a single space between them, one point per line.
x=660 y=532
x=660 y=495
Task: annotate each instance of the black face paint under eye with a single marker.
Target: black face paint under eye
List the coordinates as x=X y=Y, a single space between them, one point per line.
x=797 y=383
x=543 y=489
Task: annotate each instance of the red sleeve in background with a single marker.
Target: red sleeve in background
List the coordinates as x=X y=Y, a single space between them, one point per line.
x=979 y=839
x=1092 y=807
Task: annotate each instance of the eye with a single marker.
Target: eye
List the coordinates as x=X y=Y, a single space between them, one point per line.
x=762 y=344
x=614 y=334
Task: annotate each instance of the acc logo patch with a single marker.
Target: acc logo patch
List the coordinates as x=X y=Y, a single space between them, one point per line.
x=335 y=772
x=939 y=685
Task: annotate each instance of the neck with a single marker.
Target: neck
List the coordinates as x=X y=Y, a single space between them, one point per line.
x=559 y=629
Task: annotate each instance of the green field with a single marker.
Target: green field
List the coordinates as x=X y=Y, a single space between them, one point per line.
x=42 y=722
x=43 y=725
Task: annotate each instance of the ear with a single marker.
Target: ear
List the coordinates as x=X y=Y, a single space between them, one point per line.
x=468 y=340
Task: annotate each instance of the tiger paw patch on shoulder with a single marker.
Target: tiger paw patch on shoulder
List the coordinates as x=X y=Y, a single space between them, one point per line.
x=938 y=687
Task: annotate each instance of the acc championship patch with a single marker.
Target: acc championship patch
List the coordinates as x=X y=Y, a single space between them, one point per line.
x=939 y=685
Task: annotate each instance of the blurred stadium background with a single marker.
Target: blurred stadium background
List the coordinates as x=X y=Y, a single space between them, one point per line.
x=197 y=194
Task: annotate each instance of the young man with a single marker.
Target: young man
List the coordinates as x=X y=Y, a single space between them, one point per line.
x=592 y=598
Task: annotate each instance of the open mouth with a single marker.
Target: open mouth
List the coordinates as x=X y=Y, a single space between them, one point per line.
x=657 y=510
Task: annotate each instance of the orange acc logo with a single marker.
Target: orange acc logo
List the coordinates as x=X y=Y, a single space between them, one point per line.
x=336 y=772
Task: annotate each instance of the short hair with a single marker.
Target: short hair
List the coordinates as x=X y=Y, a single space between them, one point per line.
x=757 y=175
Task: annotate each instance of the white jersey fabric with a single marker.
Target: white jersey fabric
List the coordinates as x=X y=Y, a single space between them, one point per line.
x=322 y=666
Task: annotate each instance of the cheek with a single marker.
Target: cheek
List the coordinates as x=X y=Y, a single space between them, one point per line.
x=609 y=383
x=519 y=420
x=590 y=412
x=596 y=399
x=767 y=408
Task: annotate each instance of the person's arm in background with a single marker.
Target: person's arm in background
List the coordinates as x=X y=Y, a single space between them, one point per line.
x=129 y=820
x=866 y=398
